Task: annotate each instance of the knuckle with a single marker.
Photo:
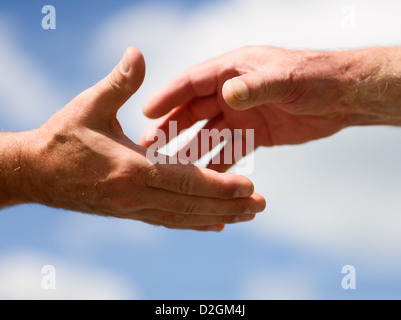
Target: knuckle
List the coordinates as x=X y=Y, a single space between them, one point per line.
x=190 y=207
x=185 y=184
x=116 y=83
x=153 y=176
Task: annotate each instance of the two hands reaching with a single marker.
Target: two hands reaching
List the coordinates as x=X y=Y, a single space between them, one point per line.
x=81 y=159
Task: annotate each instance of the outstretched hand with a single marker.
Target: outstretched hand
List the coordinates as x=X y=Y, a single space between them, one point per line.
x=81 y=160
x=287 y=97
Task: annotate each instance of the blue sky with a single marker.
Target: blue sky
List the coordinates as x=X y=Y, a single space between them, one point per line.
x=331 y=203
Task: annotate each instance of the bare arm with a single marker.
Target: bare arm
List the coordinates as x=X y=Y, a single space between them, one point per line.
x=376 y=93
x=13 y=189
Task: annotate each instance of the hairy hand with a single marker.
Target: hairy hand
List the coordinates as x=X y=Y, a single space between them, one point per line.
x=287 y=97
x=81 y=160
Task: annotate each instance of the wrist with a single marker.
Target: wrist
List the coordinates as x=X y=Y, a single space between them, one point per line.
x=15 y=171
x=374 y=86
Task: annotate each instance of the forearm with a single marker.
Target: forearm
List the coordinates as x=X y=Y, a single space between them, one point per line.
x=13 y=169
x=376 y=86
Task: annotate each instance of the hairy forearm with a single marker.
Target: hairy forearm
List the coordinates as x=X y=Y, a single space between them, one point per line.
x=13 y=169
x=376 y=88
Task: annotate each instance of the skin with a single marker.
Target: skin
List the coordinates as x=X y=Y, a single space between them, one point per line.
x=81 y=160
x=287 y=96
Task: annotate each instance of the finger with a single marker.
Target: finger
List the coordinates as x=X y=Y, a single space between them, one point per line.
x=184 y=117
x=178 y=220
x=233 y=151
x=254 y=89
x=224 y=160
x=199 y=81
x=213 y=133
x=191 y=180
x=159 y=127
x=215 y=228
x=195 y=205
x=103 y=100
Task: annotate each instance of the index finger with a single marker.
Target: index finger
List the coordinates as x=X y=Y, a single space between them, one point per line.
x=199 y=81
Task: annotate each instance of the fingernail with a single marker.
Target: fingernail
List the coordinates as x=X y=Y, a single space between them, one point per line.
x=239 y=89
x=124 y=63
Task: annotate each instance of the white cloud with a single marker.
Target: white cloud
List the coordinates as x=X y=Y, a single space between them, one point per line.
x=23 y=277
x=27 y=94
x=278 y=285
x=339 y=195
x=82 y=232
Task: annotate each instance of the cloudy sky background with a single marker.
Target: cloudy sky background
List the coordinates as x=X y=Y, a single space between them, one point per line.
x=331 y=203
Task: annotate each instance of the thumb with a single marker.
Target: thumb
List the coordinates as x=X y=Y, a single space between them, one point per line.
x=253 y=89
x=104 y=99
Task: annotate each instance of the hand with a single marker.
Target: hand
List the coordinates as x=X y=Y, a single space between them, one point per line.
x=287 y=97
x=81 y=160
